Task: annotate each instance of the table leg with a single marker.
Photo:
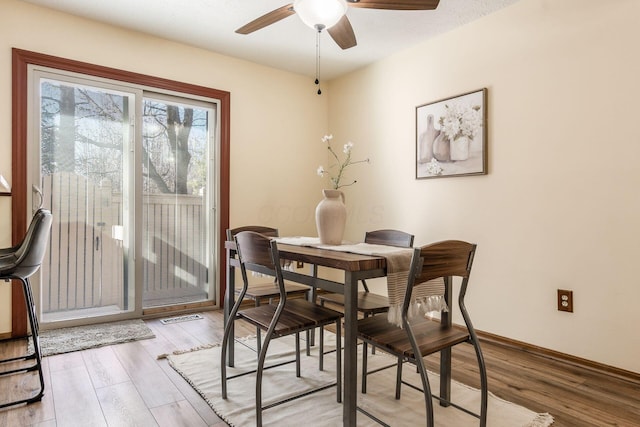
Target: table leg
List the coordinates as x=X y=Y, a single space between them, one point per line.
x=313 y=295
x=350 y=350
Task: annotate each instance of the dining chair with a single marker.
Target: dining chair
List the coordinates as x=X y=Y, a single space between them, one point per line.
x=369 y=303
x=20 y=263
x=420 y=336
x=259 y=292
x=259 y=253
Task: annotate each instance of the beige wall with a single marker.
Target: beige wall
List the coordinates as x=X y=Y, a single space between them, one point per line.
x=277 y=119
x=560 y=205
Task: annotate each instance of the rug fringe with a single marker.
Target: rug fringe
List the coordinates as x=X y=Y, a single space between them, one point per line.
x=178 y=352
x=541 y=420
x=202 y=394
x=201 y=347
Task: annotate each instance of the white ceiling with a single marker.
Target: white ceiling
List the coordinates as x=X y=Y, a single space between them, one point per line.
x=287 y=44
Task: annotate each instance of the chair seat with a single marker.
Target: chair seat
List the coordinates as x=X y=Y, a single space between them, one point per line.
x=313 y=312
x=431 y=335
x=270 y=290
x=368 y=302
x=298 y=315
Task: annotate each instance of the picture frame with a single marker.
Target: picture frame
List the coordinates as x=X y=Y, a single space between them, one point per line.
x=451 y=136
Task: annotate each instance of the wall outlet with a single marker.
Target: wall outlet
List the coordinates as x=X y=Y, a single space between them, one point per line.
x=565 y=300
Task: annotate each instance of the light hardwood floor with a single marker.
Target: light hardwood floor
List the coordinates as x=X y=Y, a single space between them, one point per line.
x=127 y=384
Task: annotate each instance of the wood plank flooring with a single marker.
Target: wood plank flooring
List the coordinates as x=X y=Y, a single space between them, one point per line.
x=126 y=385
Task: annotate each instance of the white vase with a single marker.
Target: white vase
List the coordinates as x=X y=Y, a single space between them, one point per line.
x=460 y=148
x=331 y=217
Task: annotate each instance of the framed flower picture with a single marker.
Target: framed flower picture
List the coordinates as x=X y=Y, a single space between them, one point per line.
x=451 y=136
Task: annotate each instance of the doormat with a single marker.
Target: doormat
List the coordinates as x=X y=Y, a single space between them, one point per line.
x=66 y=340
x=178 y=319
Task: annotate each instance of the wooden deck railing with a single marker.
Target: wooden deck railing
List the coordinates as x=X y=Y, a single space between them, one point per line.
x=84 y=264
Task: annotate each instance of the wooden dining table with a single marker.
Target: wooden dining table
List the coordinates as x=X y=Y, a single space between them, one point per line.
x=356 y=267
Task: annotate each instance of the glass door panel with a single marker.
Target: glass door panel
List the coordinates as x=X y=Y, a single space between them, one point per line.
x=175 y=224
x=85 y=132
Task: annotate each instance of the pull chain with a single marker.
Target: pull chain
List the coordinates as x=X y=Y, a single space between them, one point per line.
x=318 y=58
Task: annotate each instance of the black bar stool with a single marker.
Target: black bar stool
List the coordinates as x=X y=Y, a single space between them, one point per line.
x=19 y=263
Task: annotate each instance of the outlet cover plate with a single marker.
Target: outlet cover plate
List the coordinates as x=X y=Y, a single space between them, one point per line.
x=565 y=300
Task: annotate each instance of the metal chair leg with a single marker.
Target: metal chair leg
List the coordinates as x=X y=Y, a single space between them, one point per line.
x=364 y=372
x=258 y=331
x=364 y=344
x=428 y=401
x=398 y=378
x=338 y=359
x=298 y=354
x=321 y=355
x=259 y=372
x=483 y=384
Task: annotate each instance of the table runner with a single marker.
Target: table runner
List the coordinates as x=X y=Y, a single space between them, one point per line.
x=425 y=299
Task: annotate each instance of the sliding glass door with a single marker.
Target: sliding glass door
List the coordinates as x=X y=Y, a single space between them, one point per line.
x=127 y=174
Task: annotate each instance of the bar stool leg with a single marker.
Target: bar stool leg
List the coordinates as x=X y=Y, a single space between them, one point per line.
x=33 y=321
x=33 y=324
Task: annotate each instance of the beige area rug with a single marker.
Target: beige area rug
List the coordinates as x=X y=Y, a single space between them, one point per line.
x=66 y=340
x=201 y=369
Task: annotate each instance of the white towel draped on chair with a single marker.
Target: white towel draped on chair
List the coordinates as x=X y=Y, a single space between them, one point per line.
x=428 y=298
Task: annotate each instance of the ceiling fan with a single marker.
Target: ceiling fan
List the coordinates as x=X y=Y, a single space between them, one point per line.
x=330 y=14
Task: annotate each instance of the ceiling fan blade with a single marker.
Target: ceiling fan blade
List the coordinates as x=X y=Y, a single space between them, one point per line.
x=342 y=33
x=267 y=19
x=395 y=4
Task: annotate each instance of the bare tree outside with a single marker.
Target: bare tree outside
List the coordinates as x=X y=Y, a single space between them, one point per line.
x=83 y=133
x=174 y=148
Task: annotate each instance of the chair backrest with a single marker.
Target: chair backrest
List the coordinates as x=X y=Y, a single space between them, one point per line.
x=448 y=258
x=267 y=231
x=14 y=249
x=389 y=238
x=259 y=253
x=29 y=256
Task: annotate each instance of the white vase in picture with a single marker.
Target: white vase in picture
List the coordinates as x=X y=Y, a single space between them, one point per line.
x=426 y=141
x=460 y=148
x=331 y=217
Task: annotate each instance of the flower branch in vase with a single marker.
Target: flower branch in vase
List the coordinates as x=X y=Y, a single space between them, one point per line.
x=336 y=180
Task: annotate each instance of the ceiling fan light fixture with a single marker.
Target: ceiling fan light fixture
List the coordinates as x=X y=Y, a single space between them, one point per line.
x=320 y=14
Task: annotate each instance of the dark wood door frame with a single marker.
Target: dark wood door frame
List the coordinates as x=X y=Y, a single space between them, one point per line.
x=21 y=59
